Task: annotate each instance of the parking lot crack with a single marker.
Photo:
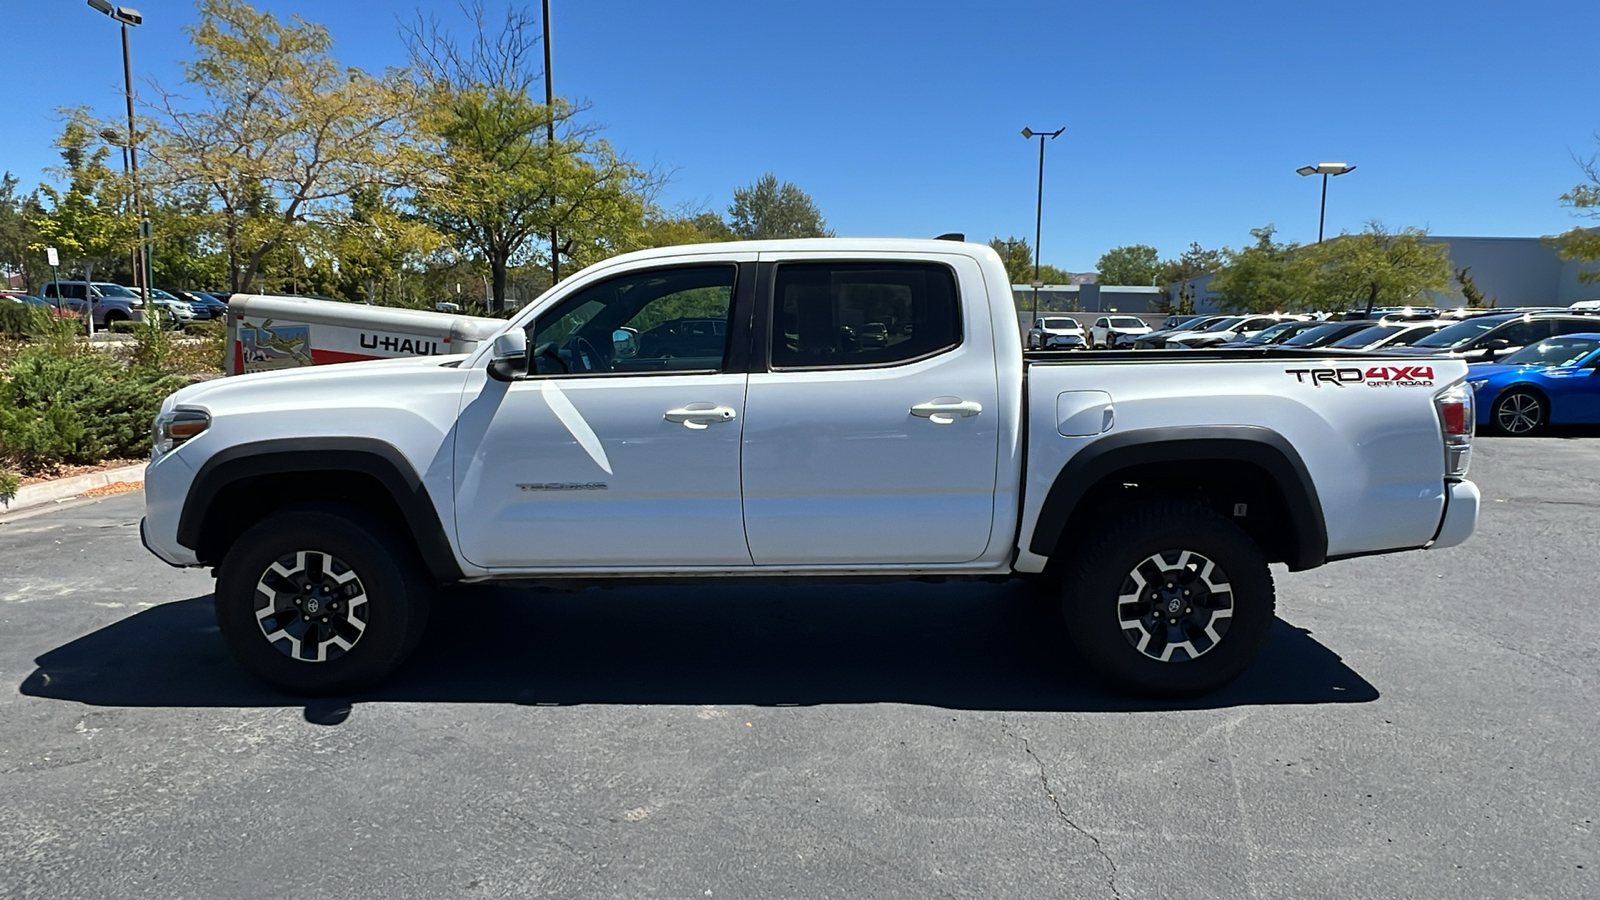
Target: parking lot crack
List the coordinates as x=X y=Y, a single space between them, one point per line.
x=1061 y=813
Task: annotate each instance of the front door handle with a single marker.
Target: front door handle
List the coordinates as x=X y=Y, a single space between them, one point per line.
x=701 y=415
x=945 y=410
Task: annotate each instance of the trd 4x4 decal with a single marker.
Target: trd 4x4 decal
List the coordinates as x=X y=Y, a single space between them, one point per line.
x=1376 y=376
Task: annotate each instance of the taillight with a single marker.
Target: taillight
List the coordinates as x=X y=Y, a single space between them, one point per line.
x=1456 y=420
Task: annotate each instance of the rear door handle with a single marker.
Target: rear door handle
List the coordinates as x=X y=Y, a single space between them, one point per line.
x=945 y=410
x=701 y=415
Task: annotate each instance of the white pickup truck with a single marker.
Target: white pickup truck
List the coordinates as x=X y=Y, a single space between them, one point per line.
x=712 y=412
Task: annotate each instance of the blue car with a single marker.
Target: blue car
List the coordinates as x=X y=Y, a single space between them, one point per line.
x=1556 y=381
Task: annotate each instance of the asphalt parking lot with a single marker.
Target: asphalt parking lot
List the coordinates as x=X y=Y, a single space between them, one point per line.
x=1420 y=725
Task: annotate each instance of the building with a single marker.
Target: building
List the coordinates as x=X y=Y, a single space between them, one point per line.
x=1510 y=271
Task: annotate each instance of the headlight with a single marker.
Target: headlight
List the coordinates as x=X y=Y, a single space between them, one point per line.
x=173 y=428
x=136 y=304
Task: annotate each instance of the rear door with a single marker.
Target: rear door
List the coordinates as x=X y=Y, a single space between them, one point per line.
x=866 y=454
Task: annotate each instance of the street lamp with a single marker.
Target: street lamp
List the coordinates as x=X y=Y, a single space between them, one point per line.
x=1038 y=215
x=126 y=16
x=1325 y=169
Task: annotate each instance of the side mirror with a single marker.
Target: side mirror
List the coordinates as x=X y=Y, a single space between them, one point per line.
x=624 y=343
x=509 y=356
x=1496 y=345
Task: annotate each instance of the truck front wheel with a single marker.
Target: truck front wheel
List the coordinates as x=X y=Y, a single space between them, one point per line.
x=1172 y=600
x=321 y=601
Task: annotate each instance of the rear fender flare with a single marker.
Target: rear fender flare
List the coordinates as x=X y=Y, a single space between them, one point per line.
x=1258 y=446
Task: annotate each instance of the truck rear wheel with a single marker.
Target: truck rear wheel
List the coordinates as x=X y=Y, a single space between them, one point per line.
x=321 y=601
x=1172 y=600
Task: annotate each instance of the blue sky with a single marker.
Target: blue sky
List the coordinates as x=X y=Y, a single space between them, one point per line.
x=1185 y=121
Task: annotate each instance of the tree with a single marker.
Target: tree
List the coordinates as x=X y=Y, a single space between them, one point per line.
x=84 y=222
x=282 y=134
x=18 y=238
x=1583 y=244
x=1378 y=267
x=1133 y=264
x=1264 y=277
x=492 y=178
x=1190 y=266
x=1017 y=255
x=768 y=210
x=1469 y=290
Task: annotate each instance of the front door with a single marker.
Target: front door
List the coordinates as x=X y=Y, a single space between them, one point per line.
x=621 y=446
x=867 y=452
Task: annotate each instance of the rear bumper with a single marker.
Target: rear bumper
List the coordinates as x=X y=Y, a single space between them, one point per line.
x=1460 y=515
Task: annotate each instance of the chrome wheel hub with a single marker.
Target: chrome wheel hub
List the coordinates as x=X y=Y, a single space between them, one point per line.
x=1175 y=606
x=311 y=606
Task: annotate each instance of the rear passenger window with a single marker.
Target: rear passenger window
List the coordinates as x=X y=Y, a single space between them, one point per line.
x=827 y=315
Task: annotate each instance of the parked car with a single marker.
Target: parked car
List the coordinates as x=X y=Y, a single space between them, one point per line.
x=1180 y=322
x=1057 y=333
x=1398 y=334
x=1325 y=333
x=1486 y=338
x=107 y=302
x=1155 y=340
x=1553 y=382
x=1240 y=329
x=874 y=334
x=332 y=502
x=1107 y=329
x=56 y=309
x=1276 y=334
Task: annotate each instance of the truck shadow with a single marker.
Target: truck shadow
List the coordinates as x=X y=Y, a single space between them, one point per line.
x=958 y=646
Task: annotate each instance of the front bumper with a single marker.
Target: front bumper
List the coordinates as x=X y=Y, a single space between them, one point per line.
x=1460 y=515
x=166 y=484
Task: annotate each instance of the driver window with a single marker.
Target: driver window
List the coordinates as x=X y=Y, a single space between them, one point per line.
x=661 y=320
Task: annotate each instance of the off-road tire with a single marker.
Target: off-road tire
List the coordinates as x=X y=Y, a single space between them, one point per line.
x=392 y=613
x=1106 y=628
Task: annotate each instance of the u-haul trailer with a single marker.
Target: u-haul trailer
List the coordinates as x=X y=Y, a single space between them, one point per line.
x=267 y=332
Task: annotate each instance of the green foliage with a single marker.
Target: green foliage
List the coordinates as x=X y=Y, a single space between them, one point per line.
x=768 y=210
x=1136 y=264
x=20 y=246
x=1584 y=199
x=1377 y=267
x=208 y=328
x=123 y=327
x=1017 y=255
x=85 y=222
x=9 y=483
x=1469 y=290
x=1264 y=277
x=78 y=408
x=17 y=320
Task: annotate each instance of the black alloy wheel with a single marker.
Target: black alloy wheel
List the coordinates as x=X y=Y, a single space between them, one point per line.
x=322 y=600
x=1172 y=600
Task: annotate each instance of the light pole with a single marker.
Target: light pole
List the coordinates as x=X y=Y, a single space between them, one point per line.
x=126 y=16
x=1038 y=214
x=1325 y=169
x=550 y=138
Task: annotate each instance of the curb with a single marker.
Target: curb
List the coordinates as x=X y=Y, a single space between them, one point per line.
x=67 y=488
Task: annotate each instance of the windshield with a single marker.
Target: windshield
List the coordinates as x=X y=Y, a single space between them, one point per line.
x=1366 y=337
x=159 y=294
x=1226 y=324
x=114 y=290
x=1460 y=333
x=1060 y=323
x=1273 y=334
x=1320 y=335
x=1126 y=322
x=1557 y=351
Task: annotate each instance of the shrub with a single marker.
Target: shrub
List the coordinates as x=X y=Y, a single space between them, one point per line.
x=123 y=327
x=210 y=328
x=80 y=408
x=8 y=485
